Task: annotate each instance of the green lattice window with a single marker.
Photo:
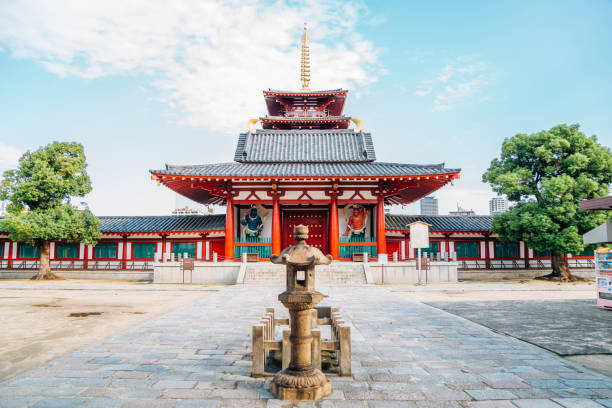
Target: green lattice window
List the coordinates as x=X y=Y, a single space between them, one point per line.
x=29 y=251
x=105 y=251
x=542 y=254
x=66 y=251
x=506 y=250
x=466 y=249
x=586 y=253
x=1 y=249
x=432 y=249
x=143 y=250
x=180 y=248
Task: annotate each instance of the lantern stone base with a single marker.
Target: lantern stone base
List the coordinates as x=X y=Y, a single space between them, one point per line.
x=300 y=386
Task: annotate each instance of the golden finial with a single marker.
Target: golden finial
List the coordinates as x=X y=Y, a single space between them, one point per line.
x=305 y=73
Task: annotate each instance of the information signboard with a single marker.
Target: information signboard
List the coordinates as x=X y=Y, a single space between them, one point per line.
x=419 y=234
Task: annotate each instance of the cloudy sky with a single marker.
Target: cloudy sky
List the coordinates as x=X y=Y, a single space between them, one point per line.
x=144 y=83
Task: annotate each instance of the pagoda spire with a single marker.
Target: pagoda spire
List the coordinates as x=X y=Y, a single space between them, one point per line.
x=305 y=71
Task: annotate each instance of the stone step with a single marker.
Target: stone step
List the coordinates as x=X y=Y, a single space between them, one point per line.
x=339 y=274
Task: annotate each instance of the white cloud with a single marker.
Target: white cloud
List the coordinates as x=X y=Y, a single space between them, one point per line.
x=9 y=156
x=208 y=59
x=457 y=82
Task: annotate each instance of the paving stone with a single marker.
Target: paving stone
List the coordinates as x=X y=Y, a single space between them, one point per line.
x=17 y=402
x=535 y=403
x=234 y=393
x=391 y=404
x=576 y=403
x=363 y=395
x=490 y=394
x=343 y=404
x=201 y=403
x=164 y=384
x=488 y=404
x=605 y=402
x=59 y=403
x=148 y=403
x=102 y=403
x=182 y=393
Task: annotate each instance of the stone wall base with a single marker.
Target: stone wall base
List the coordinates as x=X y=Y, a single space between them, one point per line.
x=82 y=274
x=503 y=274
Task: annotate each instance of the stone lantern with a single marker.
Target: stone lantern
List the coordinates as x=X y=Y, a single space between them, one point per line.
x=300 y=381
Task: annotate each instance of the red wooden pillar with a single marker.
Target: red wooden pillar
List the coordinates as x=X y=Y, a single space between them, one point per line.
x=124 y=263
x=10 y=253
x=448 y=251
x=381 y=238
x=163 y=247
x=276 y=223
x=334 y=229
x=229 y=227
x=526 y=255
x=487 y=254
x=406 y=246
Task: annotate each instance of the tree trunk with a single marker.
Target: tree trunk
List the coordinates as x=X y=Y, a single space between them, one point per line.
x=560 y=269
x=44 y=273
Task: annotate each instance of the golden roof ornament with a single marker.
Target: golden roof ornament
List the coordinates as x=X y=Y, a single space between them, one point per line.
x=305 y=66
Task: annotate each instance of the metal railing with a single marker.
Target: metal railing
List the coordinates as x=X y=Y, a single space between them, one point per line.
x=355 y=245
x=253 y=245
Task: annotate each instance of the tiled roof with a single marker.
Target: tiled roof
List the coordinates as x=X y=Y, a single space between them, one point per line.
x=163 y=223
x=186 y=223
x=307 y=92
x=440 y=222
x=304 y=118
x=305 y=146
x=375 y=169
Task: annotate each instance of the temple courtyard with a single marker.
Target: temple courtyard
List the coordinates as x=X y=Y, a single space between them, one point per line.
x=116 y=344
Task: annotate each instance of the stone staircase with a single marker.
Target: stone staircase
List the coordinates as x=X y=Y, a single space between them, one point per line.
x=337 y=273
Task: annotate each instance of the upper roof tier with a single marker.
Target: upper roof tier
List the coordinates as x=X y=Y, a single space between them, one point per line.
x=306 y=146
x=294 y=103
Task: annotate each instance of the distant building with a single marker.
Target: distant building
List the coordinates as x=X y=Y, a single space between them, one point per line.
x=498 y=205
x=429 y=206
x=193 y=211
x=462 y=212
x=82 y=206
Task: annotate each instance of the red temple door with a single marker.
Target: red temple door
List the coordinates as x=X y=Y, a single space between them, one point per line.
x=315 y=220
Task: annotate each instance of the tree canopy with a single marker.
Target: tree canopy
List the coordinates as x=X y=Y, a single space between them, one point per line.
x=546 y=175
x=39 y=192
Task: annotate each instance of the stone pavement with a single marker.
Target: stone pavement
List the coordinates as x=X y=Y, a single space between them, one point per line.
x=566 y=327
x=405 y=354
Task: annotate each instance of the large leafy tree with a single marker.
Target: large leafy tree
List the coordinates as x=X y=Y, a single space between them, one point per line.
x=39 y=192
x=547 y=174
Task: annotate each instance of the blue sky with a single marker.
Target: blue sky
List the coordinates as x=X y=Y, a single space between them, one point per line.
x=150 y=83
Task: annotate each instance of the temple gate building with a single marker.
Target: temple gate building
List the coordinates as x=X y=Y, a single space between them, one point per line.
x=305 y=166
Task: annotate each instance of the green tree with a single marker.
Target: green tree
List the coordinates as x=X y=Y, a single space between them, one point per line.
x=39 y=192
x=547 y=174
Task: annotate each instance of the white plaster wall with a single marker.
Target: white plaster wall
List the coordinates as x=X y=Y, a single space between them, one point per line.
x=482 y=249
x=199 y=250
x=204 y=272
x=51 y=251
x=522 y=249
x=129 y=251
x=491 y=250
x=81 y=251
x=120 y=250
x=406 y=272
x=7 y=248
